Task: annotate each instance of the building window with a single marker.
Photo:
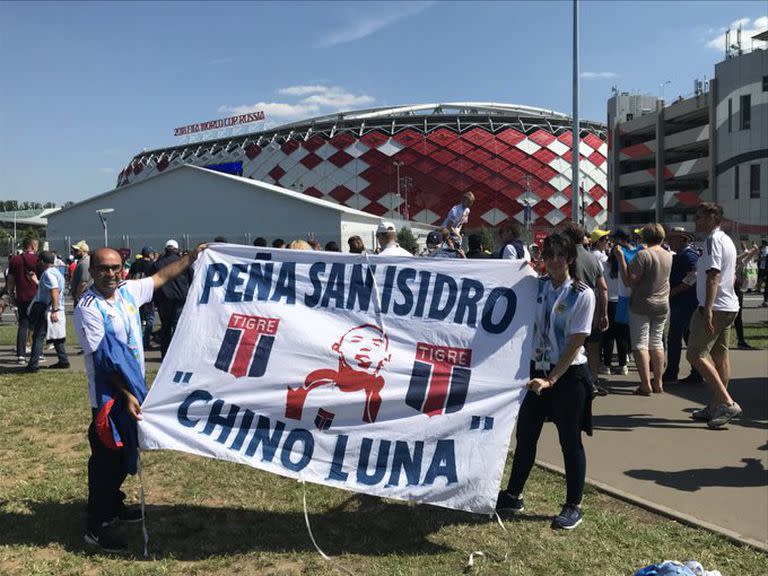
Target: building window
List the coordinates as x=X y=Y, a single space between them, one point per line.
x=736 y=182
x=765 y=83
x=730 y=115
x=746 y=111
x=754 y=181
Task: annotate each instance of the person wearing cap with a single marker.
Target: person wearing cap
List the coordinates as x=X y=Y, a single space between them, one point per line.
x=169 y=300
x=458 y=216
x=440 y=245
x=386 y=236
x=682 y=302
x=81 y=277
x=47 y=314
x=22 y=290
x=141 y=268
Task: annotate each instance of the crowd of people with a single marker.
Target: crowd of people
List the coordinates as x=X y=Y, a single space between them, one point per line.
x=601 y=296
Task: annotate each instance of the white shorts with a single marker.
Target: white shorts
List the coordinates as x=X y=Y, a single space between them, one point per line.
x=646 y=332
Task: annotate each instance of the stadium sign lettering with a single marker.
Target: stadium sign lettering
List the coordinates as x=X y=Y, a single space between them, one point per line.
x=220 y=123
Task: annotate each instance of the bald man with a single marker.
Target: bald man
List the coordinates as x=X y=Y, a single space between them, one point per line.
x=110 y=307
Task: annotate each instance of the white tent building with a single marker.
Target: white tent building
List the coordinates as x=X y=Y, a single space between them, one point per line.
x=193 y=205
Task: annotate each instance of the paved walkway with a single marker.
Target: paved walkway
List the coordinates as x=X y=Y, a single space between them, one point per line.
x=649 y=451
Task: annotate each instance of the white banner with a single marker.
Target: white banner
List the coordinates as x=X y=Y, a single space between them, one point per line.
x=398 y=377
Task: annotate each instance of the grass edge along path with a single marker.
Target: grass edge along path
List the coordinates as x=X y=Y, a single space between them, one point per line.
x=213 y=517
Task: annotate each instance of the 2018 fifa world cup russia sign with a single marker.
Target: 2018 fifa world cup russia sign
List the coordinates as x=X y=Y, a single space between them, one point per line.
x=220 y=123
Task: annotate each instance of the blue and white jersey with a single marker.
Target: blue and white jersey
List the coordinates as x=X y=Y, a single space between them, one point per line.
x=560 y=313
x=94 y=314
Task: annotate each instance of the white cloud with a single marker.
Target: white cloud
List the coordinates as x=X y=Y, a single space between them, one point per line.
x=598 y=75
x=366 y=25
x=317 y=100
x=302 y=90
x=748 y=29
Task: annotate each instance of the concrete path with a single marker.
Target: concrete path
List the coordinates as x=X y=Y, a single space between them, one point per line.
x=648 y=450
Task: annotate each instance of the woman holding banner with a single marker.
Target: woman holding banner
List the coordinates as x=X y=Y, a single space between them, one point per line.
x=560 y=380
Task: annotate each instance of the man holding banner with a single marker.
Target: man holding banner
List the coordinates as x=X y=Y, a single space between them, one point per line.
x=392 y=376
x=108 y=326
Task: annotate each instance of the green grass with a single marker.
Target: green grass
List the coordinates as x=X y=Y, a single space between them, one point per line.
x=213 y=517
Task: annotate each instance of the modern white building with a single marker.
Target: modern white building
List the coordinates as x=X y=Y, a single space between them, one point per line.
x=664 y=159
x=192 y=205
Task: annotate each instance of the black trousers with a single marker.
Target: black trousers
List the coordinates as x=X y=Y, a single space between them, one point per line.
x=739 y=323
x=564 y=404
x=24 y=326
x=169 y=311
x=105 y=477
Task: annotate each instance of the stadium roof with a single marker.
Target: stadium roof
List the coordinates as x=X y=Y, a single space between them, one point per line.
x=458 y=116
x=35 y=217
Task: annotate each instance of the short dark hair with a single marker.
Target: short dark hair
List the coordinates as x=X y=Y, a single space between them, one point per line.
x=711 y=209
x=278 y=243
x=221 y=239
x=574 y=231
x=47 y=257
x=332 y=247
x=260 y=241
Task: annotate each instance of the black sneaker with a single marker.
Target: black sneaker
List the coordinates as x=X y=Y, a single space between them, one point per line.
x=59 y=366
x=569 y=517
x=745 y=346
x=130 y=515
x=508 y=503
x=106 y=541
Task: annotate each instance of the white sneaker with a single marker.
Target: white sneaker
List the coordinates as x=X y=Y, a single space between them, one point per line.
x=21 y=361
x=724 y=414
x=41 y=360
x=621 y=370
x=604 y=370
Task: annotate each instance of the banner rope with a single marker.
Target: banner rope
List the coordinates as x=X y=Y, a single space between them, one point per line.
x=143 y=508
x=312 y=536
x=498 y=519
x=471 y=561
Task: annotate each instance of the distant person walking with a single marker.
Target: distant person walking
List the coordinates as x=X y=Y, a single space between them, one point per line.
x=81 y=277
x=47 y=314
x=22 y=290
x=170 y=298
x=711 y=323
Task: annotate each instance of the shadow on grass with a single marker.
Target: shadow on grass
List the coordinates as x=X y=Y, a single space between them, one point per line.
x=359 y=525
x=752 y=474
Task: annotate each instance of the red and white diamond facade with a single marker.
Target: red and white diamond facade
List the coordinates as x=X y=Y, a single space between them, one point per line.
x=506 y=155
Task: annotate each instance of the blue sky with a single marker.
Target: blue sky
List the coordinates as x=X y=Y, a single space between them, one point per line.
x=88 y=85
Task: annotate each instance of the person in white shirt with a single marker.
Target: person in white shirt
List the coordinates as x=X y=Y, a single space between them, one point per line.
x=710 y=328
x=110 y=305
x=560 y=385
x=458 y=216
x=386 y=236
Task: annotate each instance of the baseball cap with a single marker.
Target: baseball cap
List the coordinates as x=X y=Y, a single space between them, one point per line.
x=385 y=226
x=82 y=246
x=597 y=233
x=147 y=250
x=172 y=244
x=434 y=238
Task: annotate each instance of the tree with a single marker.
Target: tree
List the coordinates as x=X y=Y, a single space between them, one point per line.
x=407 y=240
x=488 y=239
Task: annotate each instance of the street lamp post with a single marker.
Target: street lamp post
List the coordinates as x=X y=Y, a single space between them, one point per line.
x=397 y=165
x=101 y=213
x=662 y=88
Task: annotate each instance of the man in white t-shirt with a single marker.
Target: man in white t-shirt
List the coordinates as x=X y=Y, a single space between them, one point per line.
x=110 y=305
x=386 y=236
x=710 y=328
x=458 y=216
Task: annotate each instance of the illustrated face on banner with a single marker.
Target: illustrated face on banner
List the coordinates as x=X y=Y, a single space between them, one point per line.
x=364 y=349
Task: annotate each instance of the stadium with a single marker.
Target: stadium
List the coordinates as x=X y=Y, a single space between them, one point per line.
x=414 y=162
